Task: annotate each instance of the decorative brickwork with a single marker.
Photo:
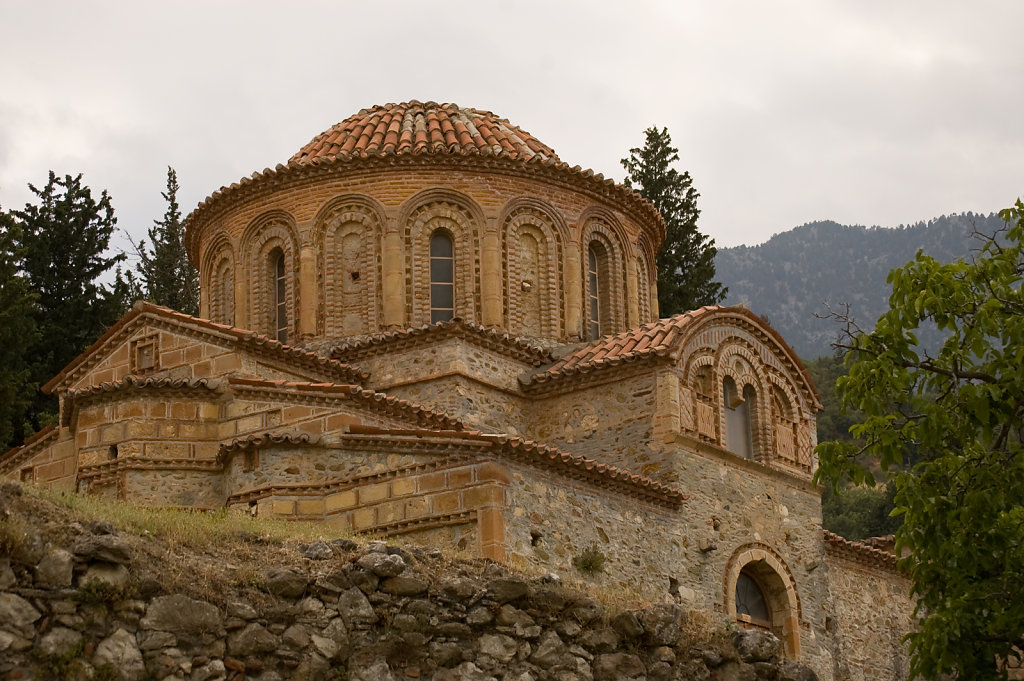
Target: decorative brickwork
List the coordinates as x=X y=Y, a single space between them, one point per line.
x=680 y=449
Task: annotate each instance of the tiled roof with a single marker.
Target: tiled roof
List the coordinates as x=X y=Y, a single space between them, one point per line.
x=350 y=349
x=372 y=401
x=650 y=340
x=859 y=552
x=528 y=451
x=414 y=134
x=657 y=339
x=73 y=397
x=420 y=128
x=12 y=457
x=248 y=340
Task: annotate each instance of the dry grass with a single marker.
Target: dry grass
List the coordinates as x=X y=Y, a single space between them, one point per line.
x=12 y=534
x=183 y=527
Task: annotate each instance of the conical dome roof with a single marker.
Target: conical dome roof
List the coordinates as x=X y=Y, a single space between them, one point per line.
x=423 y=128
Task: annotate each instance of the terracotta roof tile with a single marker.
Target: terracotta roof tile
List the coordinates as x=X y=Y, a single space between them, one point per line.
x=349 y=349
x=656 y=339
x=374 y=401
x=417 y=127
x=861 y=552
x=12 y=457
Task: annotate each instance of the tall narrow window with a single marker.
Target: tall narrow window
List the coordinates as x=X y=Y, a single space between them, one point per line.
x=738 y=418
x=442 y=277
x=279 y=308
x=599 y=311
x=594 y=294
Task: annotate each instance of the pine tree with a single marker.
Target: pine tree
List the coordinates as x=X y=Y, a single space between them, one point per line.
x=17 y=334
x=686 y=264
x=165 y=275
x=63 y=240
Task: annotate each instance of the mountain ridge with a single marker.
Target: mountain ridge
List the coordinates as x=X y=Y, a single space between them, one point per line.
x=795 y=276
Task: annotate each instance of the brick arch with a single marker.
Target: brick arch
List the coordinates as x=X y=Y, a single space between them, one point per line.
x=757 y=379
x=647 y=286
x=217 y=279
x=598 y=231
x=546 y=292
x=270 y=231
x=608 y=218
x=778 y=586
x=347 y=234
x=464 y=223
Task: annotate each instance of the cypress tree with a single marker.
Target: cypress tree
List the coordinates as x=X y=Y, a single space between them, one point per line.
x=64 y=237
x=165 y=275
x=686 y=263
x=17 y=334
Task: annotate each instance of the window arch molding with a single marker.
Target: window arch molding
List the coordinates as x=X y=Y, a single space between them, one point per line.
x=266 y=234
x=601 y=233
x=647 y=280
x=463 y=220
x=534 y=219
x=744 y=368
x=774 y=578
x=350 y=285
x=217 y=280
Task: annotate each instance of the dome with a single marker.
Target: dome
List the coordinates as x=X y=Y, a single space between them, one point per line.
x=423 y=128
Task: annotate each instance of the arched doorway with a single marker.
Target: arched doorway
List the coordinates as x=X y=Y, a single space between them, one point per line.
x=759 y=593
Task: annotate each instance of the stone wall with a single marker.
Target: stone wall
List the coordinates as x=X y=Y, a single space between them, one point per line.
x=743 y=513
x=87 y=604
x=872 y=611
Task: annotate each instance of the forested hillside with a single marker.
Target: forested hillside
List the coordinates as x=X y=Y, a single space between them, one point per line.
x=791 y=277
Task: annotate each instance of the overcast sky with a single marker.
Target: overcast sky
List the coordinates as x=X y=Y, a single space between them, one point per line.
x=865 y=112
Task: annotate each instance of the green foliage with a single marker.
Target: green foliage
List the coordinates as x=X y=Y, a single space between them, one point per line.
x=686 y=264
x=590 y=562
x=58 y=666
x=63 y=238
x=96 y=592
x=960 y=411
x=17 y=334
x=165 y=275
x=860 y=512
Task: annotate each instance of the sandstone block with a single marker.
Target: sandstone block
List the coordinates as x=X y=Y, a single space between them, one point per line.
x=16 y=613
x=59 y=641
x=502 y=648
x=382 y=564
x=251 y=640
x=355 y=608
x=285 y=582
x=618 y=667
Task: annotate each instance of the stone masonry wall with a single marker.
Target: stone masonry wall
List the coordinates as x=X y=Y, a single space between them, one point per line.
x=550 y=522
x=872 y=612
x=735 y=505
x=89 y=603
x=610 y=422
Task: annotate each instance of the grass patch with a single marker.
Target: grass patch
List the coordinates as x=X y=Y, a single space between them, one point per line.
x=13 y=532
x=183 y=527
x=590 y=561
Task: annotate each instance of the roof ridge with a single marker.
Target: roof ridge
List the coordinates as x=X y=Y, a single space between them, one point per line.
x=255 y=340
x=355 y=391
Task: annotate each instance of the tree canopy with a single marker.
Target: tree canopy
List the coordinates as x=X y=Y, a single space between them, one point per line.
x=17 y=334
x=959 y=411
x=61 y=247
x=165 y=275
x=686 y=263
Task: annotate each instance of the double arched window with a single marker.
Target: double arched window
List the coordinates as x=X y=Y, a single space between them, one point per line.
x=442 y=277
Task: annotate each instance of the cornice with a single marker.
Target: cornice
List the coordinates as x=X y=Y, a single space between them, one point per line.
x=402 y=339
x=559 y=173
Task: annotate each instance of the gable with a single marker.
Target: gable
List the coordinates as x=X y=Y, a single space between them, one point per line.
x=155 y=341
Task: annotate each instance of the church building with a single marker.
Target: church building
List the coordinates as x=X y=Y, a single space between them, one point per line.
x=427 y=326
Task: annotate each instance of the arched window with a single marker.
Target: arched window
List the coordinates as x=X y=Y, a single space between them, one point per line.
x=751 y=605
x=599 y=312
x=442 y=277
x=739 y=408
x=279 y=299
